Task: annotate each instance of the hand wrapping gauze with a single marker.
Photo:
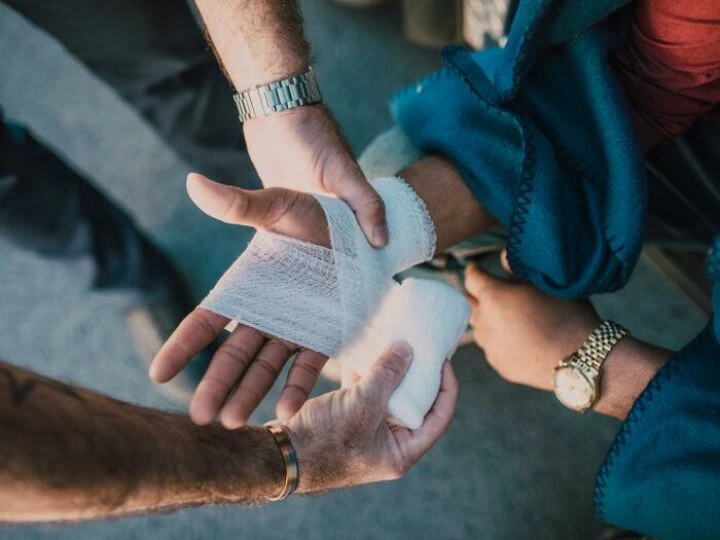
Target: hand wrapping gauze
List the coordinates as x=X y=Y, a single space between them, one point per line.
x=323 y=298
x=428 y=314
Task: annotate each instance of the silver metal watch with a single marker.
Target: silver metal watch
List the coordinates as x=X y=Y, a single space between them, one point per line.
x=577 y=377
x=278 y=96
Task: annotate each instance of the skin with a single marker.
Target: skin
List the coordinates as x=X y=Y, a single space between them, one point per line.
x=70 y=454
x=525 y=333
x=456 y=216
x=60 y=454
x=259 y=42
x=247 y=364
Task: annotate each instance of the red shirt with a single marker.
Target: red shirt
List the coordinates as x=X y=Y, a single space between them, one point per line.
x=670 y=65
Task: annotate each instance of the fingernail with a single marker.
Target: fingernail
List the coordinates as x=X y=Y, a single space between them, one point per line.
x=155 y=373
x=380 y=235
x=403 y=350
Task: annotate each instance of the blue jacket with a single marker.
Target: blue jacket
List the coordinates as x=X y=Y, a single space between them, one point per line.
x=662 y=474
x=542 y=135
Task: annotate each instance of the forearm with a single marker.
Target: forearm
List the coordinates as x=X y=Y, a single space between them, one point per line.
x=257 y=41
x=68 y=454
x=456 y=213
x=457 y=216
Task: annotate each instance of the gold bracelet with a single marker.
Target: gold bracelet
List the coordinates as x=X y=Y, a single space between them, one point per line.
x=290 y=460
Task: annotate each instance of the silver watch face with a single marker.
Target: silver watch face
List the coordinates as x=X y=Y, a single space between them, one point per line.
x=573 y=389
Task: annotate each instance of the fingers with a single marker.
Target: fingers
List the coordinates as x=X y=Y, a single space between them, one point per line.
x=439 y=418
x=256 y=208
x=256 y=382
x=504 y=262
x=368 y=206
x=227 y=366
x=193 y=334
x=478 y=280
x=286 y=212
x=301 y=380
x=385 y=374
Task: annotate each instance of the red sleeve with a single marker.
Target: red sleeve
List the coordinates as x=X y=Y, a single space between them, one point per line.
x=670 y=65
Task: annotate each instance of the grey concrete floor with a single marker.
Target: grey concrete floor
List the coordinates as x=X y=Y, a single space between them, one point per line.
x=514 y=464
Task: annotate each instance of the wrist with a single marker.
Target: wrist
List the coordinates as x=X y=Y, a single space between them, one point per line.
x=285 y=94
x=234 y=465
x=254 y=74
x=304 y=443
x=627 y=371
x=287 y=119
x=412 y=231
x=455 y=212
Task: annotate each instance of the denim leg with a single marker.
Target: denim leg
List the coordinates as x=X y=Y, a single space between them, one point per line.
x=48 y=208
x=153 y=54
x=40 y=206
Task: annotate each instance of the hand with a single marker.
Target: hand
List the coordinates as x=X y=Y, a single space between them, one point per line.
x=246 y=365
x=302 y=149
x=523 y=331
x=342 y=439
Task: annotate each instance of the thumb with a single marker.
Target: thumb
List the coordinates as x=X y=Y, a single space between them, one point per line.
x=279 y=210
x=504 y=262
x=478 y=280
x=368 y=206
x=385 y=374
x=258 y=208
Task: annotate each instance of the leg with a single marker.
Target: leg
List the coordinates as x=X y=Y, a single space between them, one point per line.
x=154 y=55
x=48 y=208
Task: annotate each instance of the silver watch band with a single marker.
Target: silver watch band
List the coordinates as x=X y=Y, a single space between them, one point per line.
x=598 y=346
x=278 y=96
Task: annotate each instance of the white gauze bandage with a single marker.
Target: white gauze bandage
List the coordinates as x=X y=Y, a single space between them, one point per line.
x=431 y=316
x=323 y=298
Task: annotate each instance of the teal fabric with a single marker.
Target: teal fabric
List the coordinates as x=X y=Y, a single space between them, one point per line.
x=541 y=133
x=662 y=474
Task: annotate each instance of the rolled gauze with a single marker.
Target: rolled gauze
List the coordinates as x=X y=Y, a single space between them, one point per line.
x=431 y=316
x=343 y=302
x=320 y=297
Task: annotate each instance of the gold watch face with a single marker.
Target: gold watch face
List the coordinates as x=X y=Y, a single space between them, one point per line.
x=573 y=389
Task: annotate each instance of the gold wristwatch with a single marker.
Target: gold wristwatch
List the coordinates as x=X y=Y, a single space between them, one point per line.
x=577 y=377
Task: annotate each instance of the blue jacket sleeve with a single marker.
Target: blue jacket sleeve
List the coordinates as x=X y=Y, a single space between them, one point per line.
x=662 y=474
x=541 y=133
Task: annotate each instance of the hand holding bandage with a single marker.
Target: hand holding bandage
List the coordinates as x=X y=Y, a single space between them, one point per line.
x=338 y=301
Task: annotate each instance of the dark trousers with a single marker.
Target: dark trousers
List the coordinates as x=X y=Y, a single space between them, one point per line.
x=154 y=56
